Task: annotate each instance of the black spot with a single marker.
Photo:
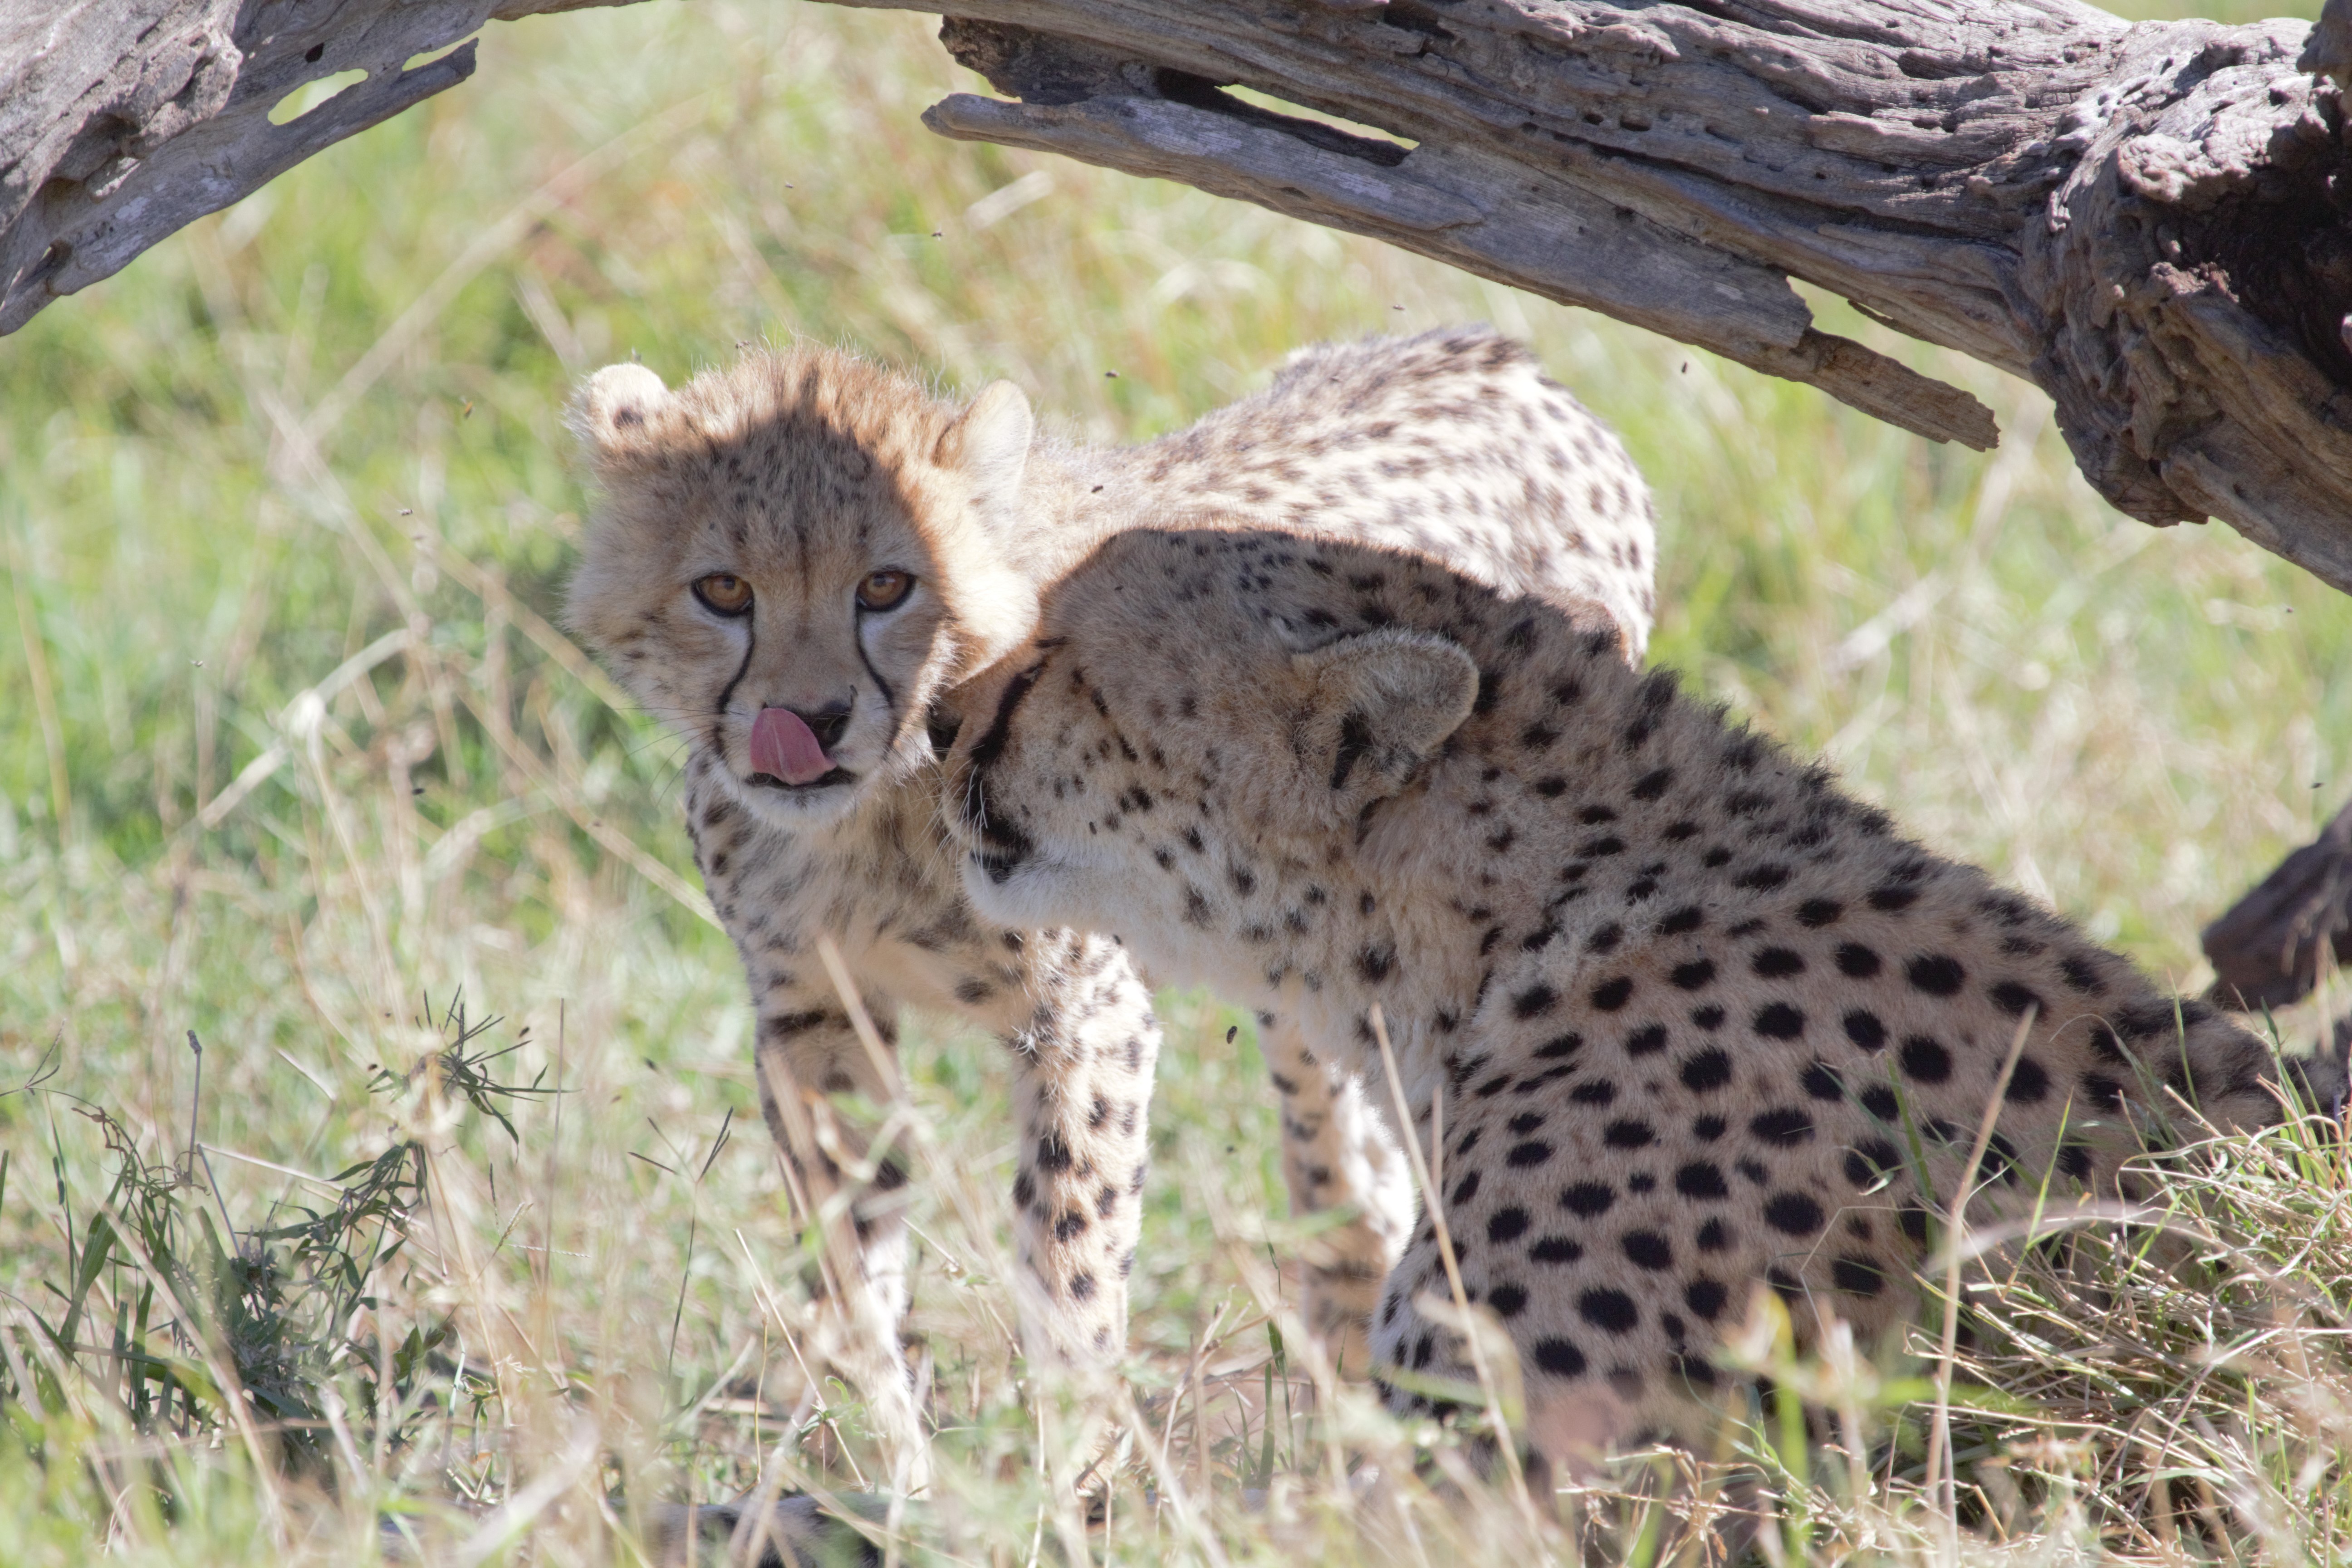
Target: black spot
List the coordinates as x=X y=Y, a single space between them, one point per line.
x=1610 y=1310
x=1762 y=878
x=1605 y=940
x=1912 y=1220
x=1935 y=973
x=1687 y=919
x=2016 y=999
x=1536 y=737
x=1869 y=1161
x=1641 y=1182
x=1692 y=1369
x=1598 y=1091
x=1533 y=1152
x=1821 y=1081
x=1700 y=1180
x=1559 y=1046
x=1558 y=1357
x=1508 y=1300
x=1053 y=1155
x=1711 y=1068
x=1778 y=964
x=1864 y=1029
x=1588 y=1199
x=1713 y=1236
x=2029 y=1082
x=1705 y=1298
x=1694 y=975
x=1629 y=1135
x=1924 y=1058
x=1856 y=962
x=1555 y=1249
x=1551 y=788
x=1707 y=1129
x=1493 y=1086
x=1648 y=1250
x=1612 y=994
x=2080 y=974
x=1082 y=1286
x=1536 y=1001
x=1525 y=1122
x=2103 y=1090
x=1506 y=1225
x=1024 y=1190
x=1652 y=785
x=1893 y=900
x=1879 y=1102
x=1784 y=1128
x=1373 y=961
x=1719 y=856
x=1815 y=913
x=1708 y=1018
x=1793 y=1214
x=1677 y=831
x=1466 y=1189
x=1641 y=1042
x=1857 y=1276
x=1594 y=816
x=2074 y=1159
x=1778 y=1021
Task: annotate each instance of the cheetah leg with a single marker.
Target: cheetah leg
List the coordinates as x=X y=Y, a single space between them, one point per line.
x=1337 y=1154
x=808 y=1055
x=1083 y=1066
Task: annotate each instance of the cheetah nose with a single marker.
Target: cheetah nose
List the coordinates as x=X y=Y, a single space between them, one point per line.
x=784 y=747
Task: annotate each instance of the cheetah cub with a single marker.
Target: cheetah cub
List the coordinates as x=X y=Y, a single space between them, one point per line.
x=1686 y=1004
x=794 y=557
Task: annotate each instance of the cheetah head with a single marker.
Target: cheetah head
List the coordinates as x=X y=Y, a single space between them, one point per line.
x=791 y=558
x=1171 y=735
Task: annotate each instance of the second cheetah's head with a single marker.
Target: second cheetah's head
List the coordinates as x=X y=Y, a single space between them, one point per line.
x=1203 y=716
x=791 y=558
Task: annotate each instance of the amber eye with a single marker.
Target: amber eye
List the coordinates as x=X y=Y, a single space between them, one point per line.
x=883 y=590
x=724 y=592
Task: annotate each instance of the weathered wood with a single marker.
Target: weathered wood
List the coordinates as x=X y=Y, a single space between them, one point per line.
x=2145 y=220
x=2151 y=222
x=2268 y=951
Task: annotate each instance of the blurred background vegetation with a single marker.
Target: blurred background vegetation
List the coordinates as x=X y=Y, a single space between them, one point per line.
x=292 y=752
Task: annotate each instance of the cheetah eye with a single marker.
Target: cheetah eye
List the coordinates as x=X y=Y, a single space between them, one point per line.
x=723 y=594
x=883 y=590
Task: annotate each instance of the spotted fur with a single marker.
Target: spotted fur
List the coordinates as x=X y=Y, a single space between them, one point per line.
x=804 y=471
x=1699 y=1020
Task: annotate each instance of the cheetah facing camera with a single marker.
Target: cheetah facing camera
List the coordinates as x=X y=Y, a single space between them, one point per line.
x=1686 y=1003
x=794 y=557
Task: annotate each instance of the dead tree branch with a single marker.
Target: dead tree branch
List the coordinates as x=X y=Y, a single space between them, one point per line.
x=2150 y=222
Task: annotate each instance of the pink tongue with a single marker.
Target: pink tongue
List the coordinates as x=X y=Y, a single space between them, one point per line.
x=783 y=747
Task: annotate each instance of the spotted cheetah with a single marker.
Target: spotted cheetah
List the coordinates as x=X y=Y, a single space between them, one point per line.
x=1696 y=1019
x=793 y=558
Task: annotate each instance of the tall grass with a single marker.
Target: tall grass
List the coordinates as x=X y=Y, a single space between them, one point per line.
x=291 y=755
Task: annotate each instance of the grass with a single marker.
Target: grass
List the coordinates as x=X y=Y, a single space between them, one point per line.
x=291 y=757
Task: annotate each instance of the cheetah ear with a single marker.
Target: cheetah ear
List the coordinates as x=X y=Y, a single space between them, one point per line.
x=614 y=412
x=990 y=442
x=1379 y=705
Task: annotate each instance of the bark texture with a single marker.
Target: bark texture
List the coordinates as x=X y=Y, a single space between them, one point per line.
x=2152 y=222
x=2269 y=950
x=123 y=121
x=2149 y=221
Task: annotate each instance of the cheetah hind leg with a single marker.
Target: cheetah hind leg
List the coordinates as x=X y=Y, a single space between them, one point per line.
x=1338 y=1154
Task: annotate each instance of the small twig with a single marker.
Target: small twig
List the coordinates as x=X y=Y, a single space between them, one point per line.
x=194 y=1100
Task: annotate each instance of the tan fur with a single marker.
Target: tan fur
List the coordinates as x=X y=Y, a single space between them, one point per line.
x=1689 y=1008
x=806 y=470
